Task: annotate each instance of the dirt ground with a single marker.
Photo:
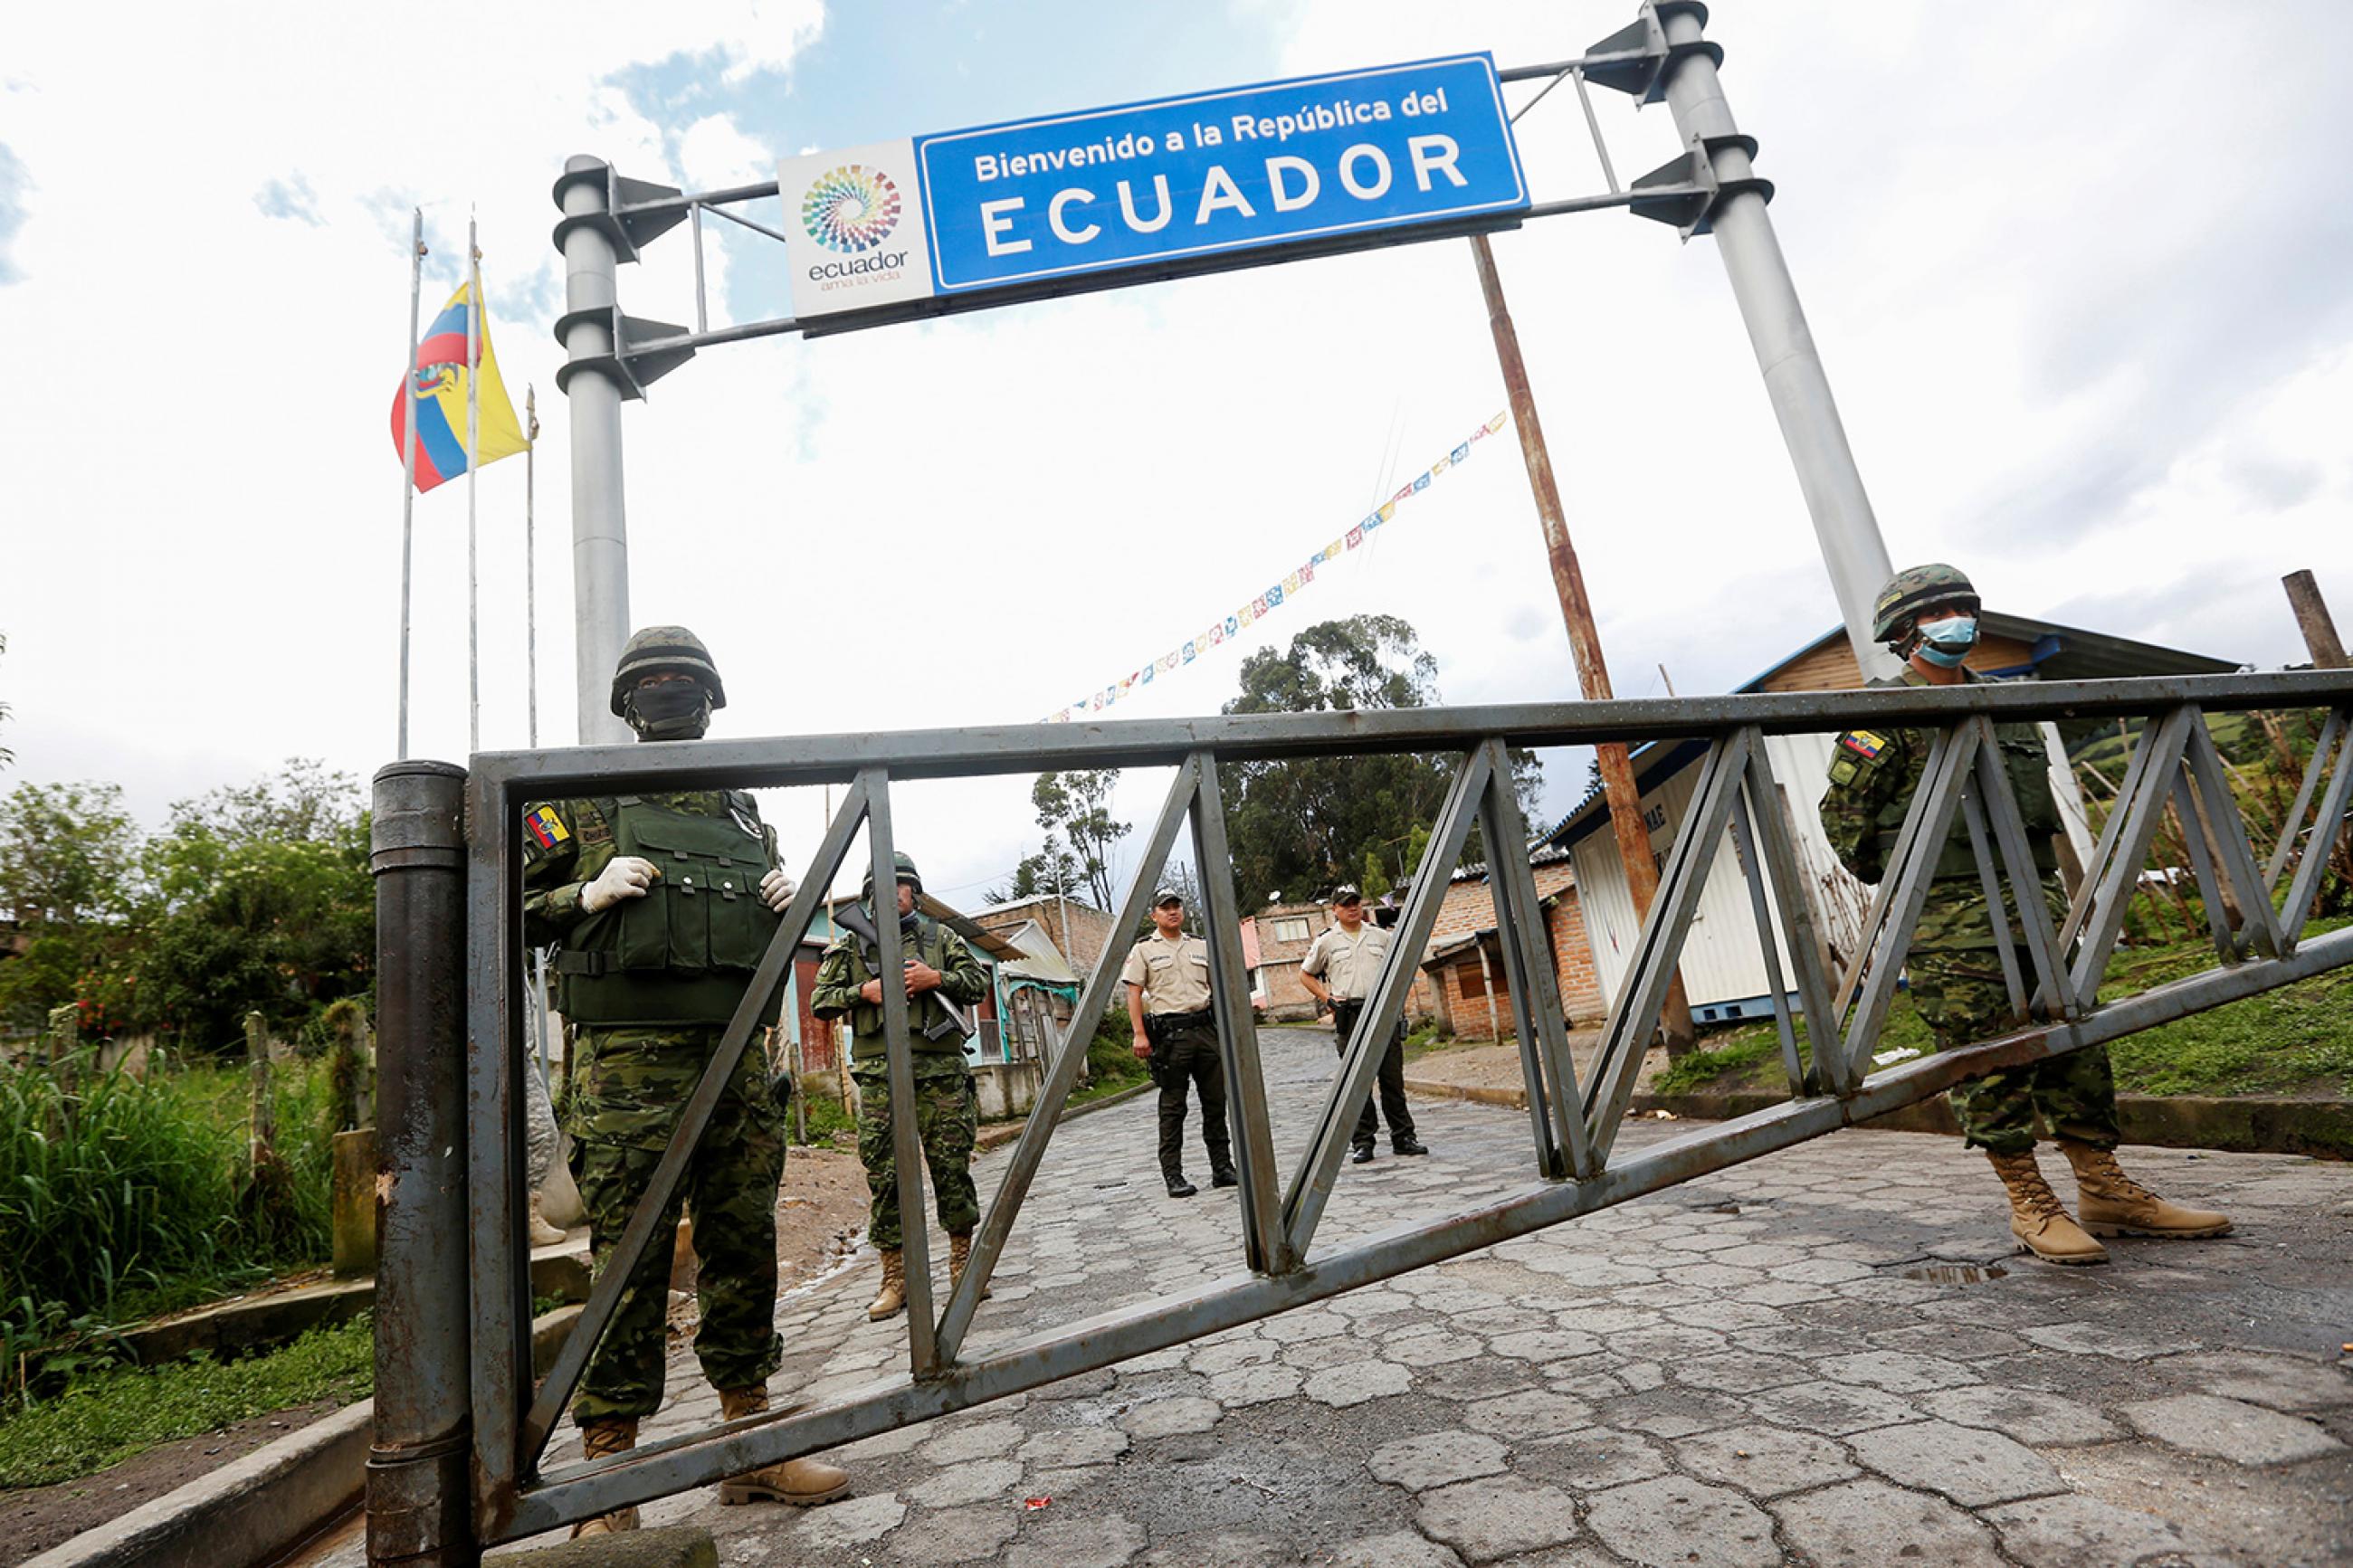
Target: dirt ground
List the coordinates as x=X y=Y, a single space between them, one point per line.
x=820 y=1217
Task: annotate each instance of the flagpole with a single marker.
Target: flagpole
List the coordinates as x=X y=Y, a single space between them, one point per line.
x=408 y=456
x=473 y=468
x=530 y=554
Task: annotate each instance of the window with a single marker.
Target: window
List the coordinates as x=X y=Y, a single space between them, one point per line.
x=1475 y=983
x=1293 y=929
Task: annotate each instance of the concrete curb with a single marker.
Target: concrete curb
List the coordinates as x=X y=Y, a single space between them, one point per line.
x=246 y=1512
x=2252 y=1125
x=256 y=1508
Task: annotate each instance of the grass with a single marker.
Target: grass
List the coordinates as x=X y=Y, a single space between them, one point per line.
x=2296 y=1040
x=126 y=1197
x=106 y=1418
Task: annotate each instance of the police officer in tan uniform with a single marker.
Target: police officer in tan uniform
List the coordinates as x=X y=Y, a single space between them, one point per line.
x=1340 y=969
x=1167 y=978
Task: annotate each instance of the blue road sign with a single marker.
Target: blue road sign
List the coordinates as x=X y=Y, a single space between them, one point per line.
x=1355 y=153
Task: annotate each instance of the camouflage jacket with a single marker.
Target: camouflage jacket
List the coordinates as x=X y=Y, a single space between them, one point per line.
x=1872 y=776
x=844 y=970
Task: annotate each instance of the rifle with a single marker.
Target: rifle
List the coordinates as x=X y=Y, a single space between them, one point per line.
x=854 y=918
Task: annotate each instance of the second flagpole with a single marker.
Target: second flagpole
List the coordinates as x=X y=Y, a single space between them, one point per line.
x=474 y=468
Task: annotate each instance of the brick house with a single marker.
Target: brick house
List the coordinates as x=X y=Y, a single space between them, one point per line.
x=1285 y=932
x=1078 y=929
x=1451 y=986
x=1462 y=976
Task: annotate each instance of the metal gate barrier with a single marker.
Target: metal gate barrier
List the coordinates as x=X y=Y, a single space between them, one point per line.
x=459 y=1461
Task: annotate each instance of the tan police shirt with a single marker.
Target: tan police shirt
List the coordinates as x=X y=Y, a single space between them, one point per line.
x=1174 y=975
x=1348 y=964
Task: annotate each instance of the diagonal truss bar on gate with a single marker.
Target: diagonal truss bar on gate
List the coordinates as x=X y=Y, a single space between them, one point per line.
x=1264 y=1245
x=1658 y=949
x=1310 y=1186
x=906 y=1135
x=1768 y=861
x=605 y=1296
x=2203 y=767
x=2325 y=828
x=2103 y=913
x=1982 y=853
x=1553 y=1105
x=1884 y=891
x=2315 y=768
x=2050 y=997
x=1030 y=1149
x=1935 y=806
x=2079 y=911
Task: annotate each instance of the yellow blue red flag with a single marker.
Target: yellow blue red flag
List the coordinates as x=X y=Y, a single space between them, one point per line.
x=440 y=377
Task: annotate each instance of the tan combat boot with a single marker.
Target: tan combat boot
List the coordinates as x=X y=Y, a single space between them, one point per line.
x=892 y=1299
x=960 y=1254
x=541 y=1233
x=800 y=1482
x=601 y=1437
x=2113 y=1204
x=2036 y=1217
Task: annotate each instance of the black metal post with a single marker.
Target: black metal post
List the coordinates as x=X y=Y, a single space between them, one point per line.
x=419 y=1491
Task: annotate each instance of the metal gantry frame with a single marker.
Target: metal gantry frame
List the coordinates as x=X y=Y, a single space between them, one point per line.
x=453 y=1315
x=1710 y=188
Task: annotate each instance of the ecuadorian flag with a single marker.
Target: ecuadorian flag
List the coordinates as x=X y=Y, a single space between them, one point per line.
x=441 y=400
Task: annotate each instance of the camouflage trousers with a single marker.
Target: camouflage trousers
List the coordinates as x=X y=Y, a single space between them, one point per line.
x=1962 y=998
x=630 y=1086
x=947 y=1118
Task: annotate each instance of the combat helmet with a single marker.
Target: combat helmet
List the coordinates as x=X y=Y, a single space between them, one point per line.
x=1913 y=590
x=658 y=650
x=905 y=872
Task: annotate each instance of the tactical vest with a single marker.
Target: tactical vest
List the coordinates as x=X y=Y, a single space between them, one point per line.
x=929 y=1028
x=685 y=952
x=2023 y=758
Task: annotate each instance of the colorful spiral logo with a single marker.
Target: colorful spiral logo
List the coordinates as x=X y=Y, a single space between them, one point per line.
x=851 y=208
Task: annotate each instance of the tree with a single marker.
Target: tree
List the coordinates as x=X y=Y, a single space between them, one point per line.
x=68 y=874
x=69 y=854
x=7 y=756
x=1077 y=806
x=1299 y=828
x=263 y=901
x=1052 y=871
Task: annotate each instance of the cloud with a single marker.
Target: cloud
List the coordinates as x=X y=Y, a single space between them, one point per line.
x=289 y=198
x=13 y=183
x=975 y=519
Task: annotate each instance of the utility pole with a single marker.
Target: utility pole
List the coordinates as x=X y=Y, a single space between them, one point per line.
x=1583 y=642
x=2312 y=618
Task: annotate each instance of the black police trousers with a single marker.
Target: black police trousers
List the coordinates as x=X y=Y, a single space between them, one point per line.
x=1394 y=1109
x=1187 y=1053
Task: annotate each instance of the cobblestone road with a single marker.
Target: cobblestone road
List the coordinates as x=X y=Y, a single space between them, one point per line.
x=1786 y=1362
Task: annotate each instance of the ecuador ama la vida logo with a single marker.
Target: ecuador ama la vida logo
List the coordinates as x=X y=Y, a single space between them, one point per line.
x=853 y=210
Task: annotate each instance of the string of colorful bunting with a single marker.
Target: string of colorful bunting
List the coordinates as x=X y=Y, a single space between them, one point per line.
x=1259 y=605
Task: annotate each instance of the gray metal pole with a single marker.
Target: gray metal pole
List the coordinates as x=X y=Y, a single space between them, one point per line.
x=473 y=473
x=601 y=533
x=531 y=558
x=408 y=457
x=1833 y=485
x=419 y=1480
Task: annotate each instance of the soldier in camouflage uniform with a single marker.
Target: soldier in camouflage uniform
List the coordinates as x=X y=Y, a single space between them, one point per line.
x=663 y=905
x=1927 y=616
x=938 y=967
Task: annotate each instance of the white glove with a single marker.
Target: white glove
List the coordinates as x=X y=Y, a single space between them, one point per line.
x=629 y=877
x=777 y=889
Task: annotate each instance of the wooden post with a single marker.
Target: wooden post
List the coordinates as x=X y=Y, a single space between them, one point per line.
x=2312 y=619
x=1618 y=786
x=264 y=1140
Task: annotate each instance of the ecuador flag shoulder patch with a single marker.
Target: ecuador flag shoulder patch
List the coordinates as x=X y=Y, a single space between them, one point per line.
x=1863 y=745
x=547 y=829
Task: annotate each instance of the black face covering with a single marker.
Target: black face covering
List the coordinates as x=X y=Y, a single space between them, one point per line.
x=675 y=710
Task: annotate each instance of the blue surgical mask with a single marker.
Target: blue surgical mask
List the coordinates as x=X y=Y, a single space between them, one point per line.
x=1945 y=643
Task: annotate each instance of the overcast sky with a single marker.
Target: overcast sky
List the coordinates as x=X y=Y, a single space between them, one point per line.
x=2078 y=273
